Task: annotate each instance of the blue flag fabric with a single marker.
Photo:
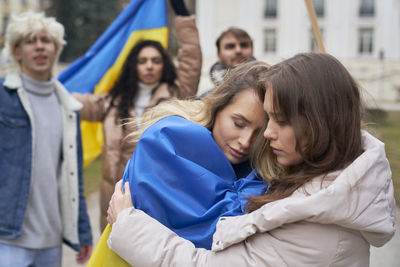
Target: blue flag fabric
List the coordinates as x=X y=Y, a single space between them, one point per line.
x=179 y=176
x=97 y=71
x=83 y=74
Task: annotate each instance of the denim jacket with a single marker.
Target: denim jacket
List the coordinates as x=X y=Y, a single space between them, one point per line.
x=16 y=142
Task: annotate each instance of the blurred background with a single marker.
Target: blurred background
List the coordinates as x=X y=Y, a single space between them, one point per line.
x=363 y=34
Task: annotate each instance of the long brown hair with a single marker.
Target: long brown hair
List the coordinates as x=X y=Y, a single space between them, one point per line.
x=319 y=98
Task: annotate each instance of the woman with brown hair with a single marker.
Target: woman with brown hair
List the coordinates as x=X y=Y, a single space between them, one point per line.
x=330 y=194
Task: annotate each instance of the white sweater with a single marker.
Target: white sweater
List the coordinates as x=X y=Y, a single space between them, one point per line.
x=144 y=96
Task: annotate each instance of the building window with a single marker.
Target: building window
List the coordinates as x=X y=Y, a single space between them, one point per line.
x=367 y=8
x=271 y=8
x=269 y=40
x=313 y=43
x=365 y=41
x=319 y=7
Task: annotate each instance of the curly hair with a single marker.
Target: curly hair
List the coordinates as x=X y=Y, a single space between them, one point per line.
x=125 y=90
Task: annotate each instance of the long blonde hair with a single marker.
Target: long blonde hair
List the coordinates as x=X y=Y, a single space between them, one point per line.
x=204 y=112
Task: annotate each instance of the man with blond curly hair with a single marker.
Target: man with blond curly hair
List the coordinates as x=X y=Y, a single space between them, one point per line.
x=41 y=192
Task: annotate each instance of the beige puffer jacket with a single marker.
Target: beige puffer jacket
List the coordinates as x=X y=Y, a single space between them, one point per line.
x=332 y=223
x=116 y=152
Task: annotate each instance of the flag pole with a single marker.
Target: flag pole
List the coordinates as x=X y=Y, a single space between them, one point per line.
x=314 y=24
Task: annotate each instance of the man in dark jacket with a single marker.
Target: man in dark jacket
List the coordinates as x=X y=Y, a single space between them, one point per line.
x=234 y=46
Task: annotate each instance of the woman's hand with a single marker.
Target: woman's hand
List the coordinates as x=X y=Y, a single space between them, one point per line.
x=179 y=7
x=119 y=201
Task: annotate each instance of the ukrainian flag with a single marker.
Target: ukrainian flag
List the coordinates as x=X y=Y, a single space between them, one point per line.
x=98 y=69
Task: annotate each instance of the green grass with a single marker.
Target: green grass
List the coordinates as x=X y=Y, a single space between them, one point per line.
x=92 y=177
x=387 y=127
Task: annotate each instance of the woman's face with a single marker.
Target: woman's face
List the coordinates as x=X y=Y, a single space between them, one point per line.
x=149 y=65
x=281 y=135
x=237 y=124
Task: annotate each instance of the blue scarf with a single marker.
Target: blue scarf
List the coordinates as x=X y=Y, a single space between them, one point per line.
x=179 y=176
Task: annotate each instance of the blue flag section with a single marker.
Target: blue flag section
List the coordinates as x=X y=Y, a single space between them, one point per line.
x=179 y=176
x=97 y=71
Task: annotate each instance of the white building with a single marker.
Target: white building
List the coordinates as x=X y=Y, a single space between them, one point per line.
x=8 y=7
x=363 y=34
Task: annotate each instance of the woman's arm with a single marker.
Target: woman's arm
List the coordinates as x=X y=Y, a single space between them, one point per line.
x=142 y=241
x=189 y=56
x=94 y=106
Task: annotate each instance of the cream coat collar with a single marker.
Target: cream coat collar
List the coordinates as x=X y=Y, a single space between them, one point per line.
x=359 y=198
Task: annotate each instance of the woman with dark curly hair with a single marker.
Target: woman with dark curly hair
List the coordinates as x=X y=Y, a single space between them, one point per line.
x=147 y=78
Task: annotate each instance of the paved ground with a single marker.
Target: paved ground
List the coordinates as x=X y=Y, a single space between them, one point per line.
x=94 y=213
x=386 y=256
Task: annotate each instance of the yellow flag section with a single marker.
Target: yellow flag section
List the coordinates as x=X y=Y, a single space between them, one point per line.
x=92 y=132
x=97 y=71
x=159 y=35
x=103 y=256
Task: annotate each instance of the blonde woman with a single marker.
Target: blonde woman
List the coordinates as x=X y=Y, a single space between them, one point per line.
x=191 y=164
